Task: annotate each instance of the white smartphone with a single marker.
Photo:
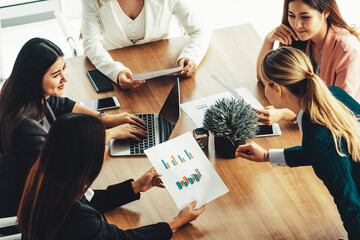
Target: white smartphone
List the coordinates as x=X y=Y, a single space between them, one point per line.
x=265 y=130
x=102 y=103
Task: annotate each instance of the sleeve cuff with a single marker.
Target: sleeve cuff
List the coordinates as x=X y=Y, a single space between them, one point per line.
x=277 y=157
x=89 y=194
x=117 y=68
x=119 y=189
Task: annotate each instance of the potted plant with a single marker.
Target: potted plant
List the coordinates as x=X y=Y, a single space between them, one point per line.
x=233 y=122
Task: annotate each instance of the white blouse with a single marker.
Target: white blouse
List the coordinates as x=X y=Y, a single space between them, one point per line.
x=104 y=27
x=133 y=28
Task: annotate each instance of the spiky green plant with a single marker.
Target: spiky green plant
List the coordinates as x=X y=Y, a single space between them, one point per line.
x=231 y=118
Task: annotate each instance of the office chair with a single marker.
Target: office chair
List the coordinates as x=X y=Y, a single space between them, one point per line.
x=9 y=222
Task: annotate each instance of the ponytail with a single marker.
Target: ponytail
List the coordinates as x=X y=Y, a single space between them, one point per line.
x=292 y=69
x=326 y=110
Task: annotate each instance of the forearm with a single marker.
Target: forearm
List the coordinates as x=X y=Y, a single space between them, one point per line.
x=135 y=187
x=107 y=119
x=82 y=109
x=92 y=43
x=287 y=114
x=266 y=47
x=195 y=27
x=175 y=224
x=114 y=196
x=196 y=46
x=108 y=135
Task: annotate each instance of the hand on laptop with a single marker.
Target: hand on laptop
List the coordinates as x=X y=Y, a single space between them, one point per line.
x=125 y=131
x=125 y=81
x=121 y=118
x=148 y=180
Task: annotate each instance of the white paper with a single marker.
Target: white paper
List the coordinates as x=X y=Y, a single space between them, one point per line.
x=196 y=109
x=148 y=75
x=229 y=89
x=182 y=157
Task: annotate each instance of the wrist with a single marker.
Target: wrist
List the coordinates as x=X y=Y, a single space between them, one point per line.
x=174 y=224
x=266 y=156
x=108 y=135
x=269 y=42
x=135 y=187
x=288 y=115
x=105 y=118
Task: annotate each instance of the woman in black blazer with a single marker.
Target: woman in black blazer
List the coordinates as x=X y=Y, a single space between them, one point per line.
x=57 y=202
x=30 y=101
x=328 y=120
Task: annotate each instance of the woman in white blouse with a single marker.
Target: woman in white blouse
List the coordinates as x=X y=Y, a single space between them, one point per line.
x=110 y=24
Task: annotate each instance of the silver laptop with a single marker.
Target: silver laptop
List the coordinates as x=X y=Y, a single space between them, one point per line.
x=158 y=125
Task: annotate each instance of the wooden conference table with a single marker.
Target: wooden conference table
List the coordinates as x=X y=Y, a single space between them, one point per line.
x=263 y=202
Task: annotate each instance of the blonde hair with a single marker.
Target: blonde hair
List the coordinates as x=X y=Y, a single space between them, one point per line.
x=291 y=68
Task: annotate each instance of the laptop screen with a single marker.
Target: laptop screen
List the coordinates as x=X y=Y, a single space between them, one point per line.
x=171 y=108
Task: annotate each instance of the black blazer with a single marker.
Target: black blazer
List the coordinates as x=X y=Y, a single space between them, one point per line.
x=84 y=220
x=27 y=140
x=341 y=175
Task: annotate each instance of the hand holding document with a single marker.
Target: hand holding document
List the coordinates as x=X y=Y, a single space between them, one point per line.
x=149 y=75
x=186 y=172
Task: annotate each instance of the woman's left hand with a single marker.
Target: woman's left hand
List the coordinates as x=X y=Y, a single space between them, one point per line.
x=150 y=179
x=189 y=67
x=252 y=152
x=121 y=118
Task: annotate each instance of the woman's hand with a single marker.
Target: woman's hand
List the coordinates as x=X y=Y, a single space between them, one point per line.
x=186 y=215
x=283 y=34
x=150 y=179
x=126 y=82
x=270 y=115
x=189 y=67
x=121 y=118
x=252 y=152
x=125 y=131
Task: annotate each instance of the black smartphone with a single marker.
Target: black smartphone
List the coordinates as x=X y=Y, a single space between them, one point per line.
x=265 y=130
x=100 y=82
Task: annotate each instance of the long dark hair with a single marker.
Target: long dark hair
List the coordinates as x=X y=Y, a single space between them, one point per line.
x=321 y=6
x=70 y=161
x=22 y=94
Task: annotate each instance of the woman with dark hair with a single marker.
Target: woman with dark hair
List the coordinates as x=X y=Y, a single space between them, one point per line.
x=317 y=28
x=57 y=203
x=328 y=119
x=29 y=103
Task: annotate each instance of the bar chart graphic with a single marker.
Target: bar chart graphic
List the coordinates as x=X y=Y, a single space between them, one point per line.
x=188 y=181
x=202 y=107
x=186 y=171
x=176 y=159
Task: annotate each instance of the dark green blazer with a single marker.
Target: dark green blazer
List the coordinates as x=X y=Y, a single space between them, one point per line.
x=341 y=175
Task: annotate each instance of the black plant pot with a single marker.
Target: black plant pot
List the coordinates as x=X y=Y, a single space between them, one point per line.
x=225 y=147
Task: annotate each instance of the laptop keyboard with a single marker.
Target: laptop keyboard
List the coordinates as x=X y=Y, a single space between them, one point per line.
x=139 y=147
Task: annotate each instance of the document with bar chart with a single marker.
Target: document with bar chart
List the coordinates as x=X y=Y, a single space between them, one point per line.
x=186 y=172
